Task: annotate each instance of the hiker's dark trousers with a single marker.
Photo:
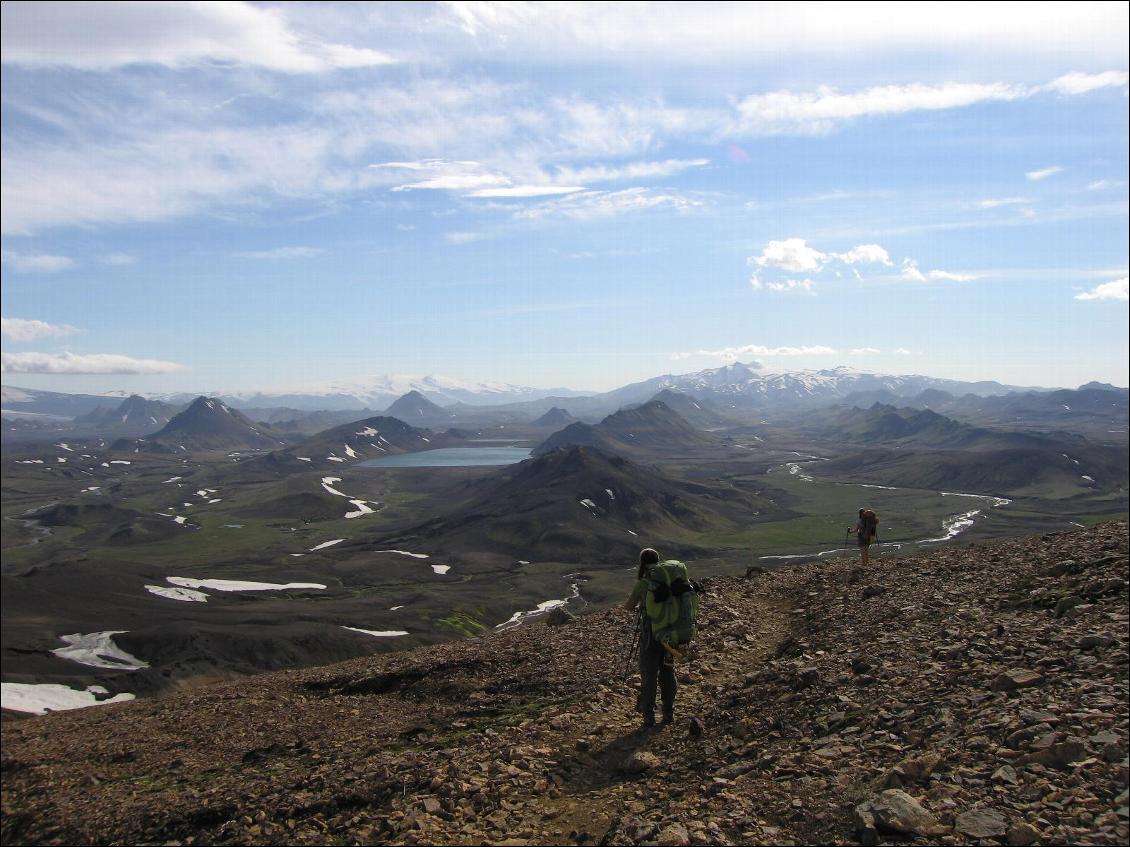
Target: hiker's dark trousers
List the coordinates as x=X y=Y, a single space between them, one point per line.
x=653 y=669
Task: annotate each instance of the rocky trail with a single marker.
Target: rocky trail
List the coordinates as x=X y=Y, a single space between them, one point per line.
x=969 y=695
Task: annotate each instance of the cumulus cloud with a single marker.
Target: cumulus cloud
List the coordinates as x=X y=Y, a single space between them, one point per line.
x=1116 y=290
x=732 y=354
x=865 y=254
x=1043 y=173
x=91 y=363
x=41 y=263
x=910 y=271
x=19 y=329
x=790 y=254
x=283 y=253
x=101 y=36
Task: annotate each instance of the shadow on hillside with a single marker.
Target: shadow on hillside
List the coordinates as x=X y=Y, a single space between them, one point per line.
x=604 y=766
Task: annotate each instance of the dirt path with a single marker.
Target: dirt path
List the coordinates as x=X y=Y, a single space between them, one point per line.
x=589 y=793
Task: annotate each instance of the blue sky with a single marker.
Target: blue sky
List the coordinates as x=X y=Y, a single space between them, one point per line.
x=230 y=196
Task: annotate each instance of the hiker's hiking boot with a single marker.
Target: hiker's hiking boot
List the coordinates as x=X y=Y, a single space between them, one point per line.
x=668 y=718
x=649 y=721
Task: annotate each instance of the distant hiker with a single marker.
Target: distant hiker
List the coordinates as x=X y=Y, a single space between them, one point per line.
x=866 y=530
x=668 y=602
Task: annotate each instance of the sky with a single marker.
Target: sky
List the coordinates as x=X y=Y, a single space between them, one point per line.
x=208 y=197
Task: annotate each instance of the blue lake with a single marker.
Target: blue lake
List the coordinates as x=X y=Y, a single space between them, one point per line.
x=451 y=457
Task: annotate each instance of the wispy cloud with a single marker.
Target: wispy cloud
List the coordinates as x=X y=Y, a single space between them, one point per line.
x=595 y=205
x=732 y=354
x=864 y=351
x=1043 y=173
x=278 y=253
x=910 y=271
x=101 y=36
x=39 y=263
x=1119 y=289
x=802 y=286
x=822 y=110
x=996 y=202
x=1104 y=184
x=19 y=329
x=92 y=363
x=1080 y=83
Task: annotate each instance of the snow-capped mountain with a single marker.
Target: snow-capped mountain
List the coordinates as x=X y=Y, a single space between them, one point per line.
x=740 y=385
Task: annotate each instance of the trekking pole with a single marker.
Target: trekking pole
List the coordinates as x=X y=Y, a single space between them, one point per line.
x=633 y=646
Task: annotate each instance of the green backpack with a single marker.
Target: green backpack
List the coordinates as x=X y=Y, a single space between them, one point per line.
x=671 y=603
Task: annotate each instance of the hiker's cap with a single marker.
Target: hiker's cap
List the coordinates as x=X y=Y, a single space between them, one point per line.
x=649 y=556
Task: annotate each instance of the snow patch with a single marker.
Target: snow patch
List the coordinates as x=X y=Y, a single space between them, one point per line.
x=326 y=544
x=379 y=633
x=404 y=553
x=186 y=595
x=238 y=585
x=98 y=650
x=39 y=699
x=441 y=569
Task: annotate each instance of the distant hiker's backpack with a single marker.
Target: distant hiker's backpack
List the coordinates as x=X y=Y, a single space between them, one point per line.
x=868 y=524
x=671 y=602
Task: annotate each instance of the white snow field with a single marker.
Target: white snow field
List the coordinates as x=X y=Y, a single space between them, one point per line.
x=41 y=698
x=98 y=650
x=379 y=633
x=186 y=595
x=238 y=584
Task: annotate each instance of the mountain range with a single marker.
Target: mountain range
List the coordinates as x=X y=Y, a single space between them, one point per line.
x=737 y=385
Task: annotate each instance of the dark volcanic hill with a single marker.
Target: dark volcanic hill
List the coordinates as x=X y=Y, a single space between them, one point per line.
x=555 y=417
x=135 y=414
x=417 y=409
x=653 y=427
x=354 y=442
x=207 y=424
x=580 y=504
x=700 y=414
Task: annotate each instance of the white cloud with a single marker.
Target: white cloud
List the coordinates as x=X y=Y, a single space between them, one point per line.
x=1119 y=289
x=630 y=171
x=949 y=276
x=799 y=285
x=863 y=351
x=1043 y=173
x=902 y=351
x=92 y=363
x=820 y=111
x=594 y=205
x=790 y=254
x=42 y=263
x=865 y=254
x=1079 y=83
x=461 y=237
x=911 y=271
x=283 y=253
x=731 y=354
x=101 y=36
x=550 y=32
x=1104 y=184
x=996 y=202
x=19 y=329
x=527 y=191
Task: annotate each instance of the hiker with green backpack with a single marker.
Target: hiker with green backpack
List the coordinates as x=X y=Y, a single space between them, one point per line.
x=668 y=608
x=866 y=530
